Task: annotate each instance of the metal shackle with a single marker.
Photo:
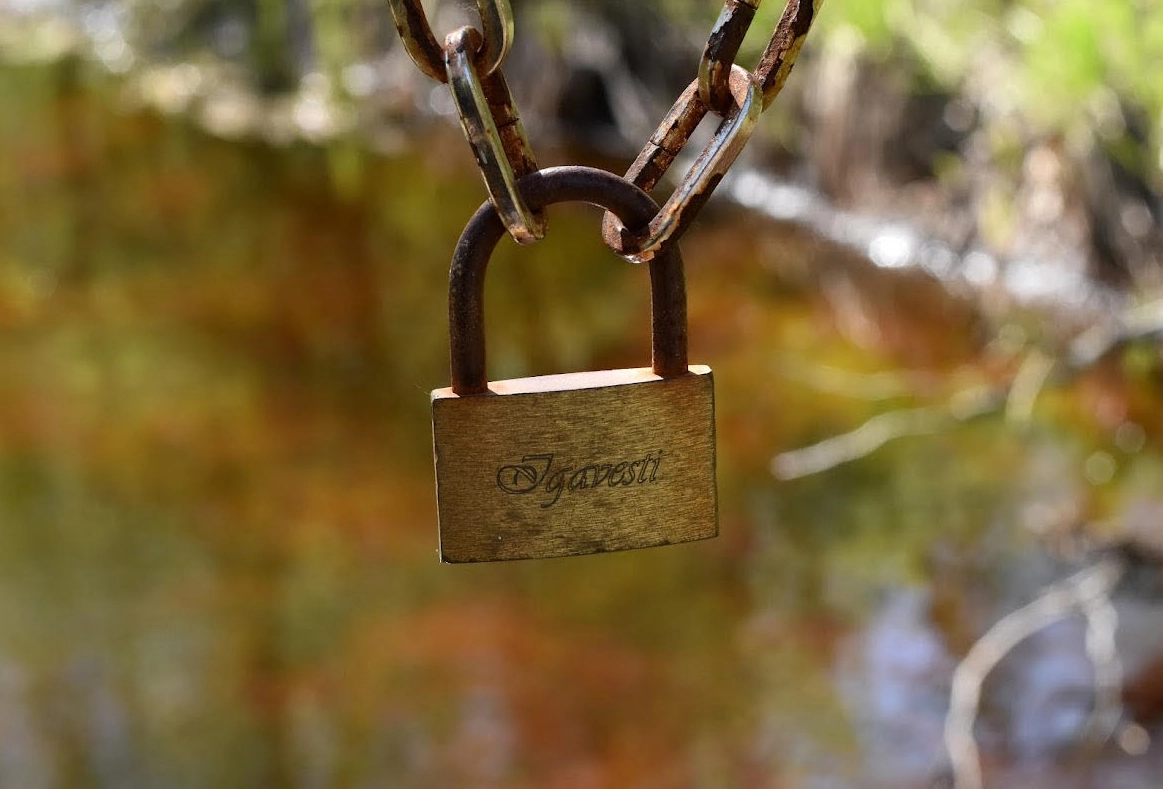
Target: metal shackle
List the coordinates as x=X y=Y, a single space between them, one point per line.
x=635 y=209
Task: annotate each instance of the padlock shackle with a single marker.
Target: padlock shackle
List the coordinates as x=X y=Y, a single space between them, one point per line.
x=635 y=209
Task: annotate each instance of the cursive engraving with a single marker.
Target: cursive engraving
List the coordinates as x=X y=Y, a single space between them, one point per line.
x=540 y=473
x=523 y=478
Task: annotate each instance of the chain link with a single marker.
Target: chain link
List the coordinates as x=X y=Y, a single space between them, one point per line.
x=470 y=60
x=494 y=129
x=719 y=55
x=776 y=63
x=422 y=46
x=716 y=90
x=704 y=175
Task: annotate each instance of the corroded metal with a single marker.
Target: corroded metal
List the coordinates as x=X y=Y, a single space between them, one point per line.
x=780 y=56
x=777 y=60
x=719 y=55
x=557 y=185
x=494 y=130
x=702 y=178
x=426 y=52
x=717 y=89
x=471 y=59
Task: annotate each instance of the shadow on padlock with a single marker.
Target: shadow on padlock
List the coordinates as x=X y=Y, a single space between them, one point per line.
x=579 y=463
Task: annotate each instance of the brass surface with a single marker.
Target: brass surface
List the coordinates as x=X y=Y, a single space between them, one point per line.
x=575 y=464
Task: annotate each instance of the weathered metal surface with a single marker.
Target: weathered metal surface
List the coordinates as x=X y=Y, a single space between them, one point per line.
x=472 y=59
x=716 y=89
x=556 y=185
x=780 y=56
x=702 y=178
x=719 y=55
x=426 y=52
x=496 y=154
x=575 y=463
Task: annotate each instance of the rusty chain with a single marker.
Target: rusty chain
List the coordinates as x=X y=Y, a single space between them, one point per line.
x=470 y=61
x=700 y=180
x=421 y=45
x=495 y=132
x=777 y=60
x=716 y=89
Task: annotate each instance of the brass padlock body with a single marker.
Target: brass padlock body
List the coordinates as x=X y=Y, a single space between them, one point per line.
x=578 y=463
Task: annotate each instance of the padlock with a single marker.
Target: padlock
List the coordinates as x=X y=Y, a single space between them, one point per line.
x=576 y=463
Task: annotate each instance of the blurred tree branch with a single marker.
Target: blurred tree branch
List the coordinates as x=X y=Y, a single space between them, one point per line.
x=1087 y=592
x=1016 y=396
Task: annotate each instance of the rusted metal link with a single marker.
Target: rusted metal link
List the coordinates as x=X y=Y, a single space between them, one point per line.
x=518 y=149
x=495 y=132
x=422 y=46
x=727 y=89
x=702 y=178
x=719 y=55
x=471 y=60
x=630 y=204
x=780 y=56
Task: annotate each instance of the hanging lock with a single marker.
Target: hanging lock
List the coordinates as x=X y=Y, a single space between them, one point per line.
x=579 y=463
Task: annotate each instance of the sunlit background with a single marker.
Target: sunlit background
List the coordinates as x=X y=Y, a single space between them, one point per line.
x=930 y=292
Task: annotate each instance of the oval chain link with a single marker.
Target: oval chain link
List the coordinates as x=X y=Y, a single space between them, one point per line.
x=495 y=132
x=426 y=52
x=704 y=175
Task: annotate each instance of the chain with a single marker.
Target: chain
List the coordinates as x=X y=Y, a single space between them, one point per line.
x=730 y=92
x=709 y=167
x=494 y=129
x=777 y=60
x=470 y=61
x=428 y=55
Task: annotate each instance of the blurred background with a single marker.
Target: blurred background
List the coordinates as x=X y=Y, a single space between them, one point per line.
x=930 y=291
